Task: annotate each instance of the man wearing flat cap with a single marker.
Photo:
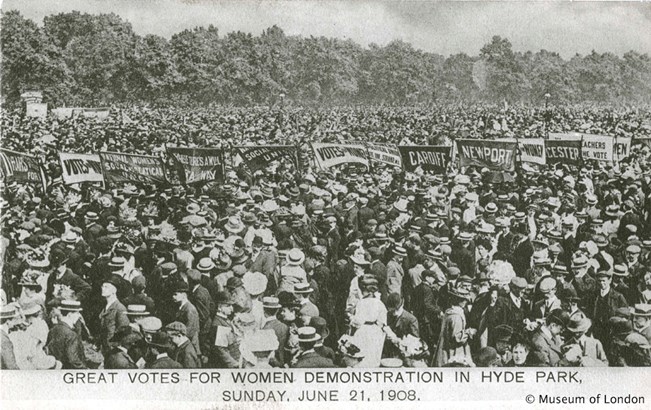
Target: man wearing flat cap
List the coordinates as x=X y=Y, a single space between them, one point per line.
x=546 y=340
x=184 y=352
x=118 y=357
x=602 y=305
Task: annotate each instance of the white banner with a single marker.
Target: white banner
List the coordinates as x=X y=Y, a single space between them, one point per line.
x=62 y=113
x=36 y=110
x=330 y=155
x=78 y=168
x=598 y=147
x=384 y=154
x=97 y=113
x=532 y=150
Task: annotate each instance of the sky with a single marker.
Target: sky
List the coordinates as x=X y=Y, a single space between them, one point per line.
x=440 y=27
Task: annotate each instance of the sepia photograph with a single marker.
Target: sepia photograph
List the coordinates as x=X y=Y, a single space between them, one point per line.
x=268 y=198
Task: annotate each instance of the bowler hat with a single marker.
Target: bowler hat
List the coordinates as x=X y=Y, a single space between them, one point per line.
x=223 y=298
x=160 y=339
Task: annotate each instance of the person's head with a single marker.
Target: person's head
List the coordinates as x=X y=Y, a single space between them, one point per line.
x=519 y=352
x=224 y=303
x=632 y=254
x=502 y=335
x=394 y=303
x=548 y=287
x=647 y=280
x=483 y=246
x=641 y=315
x=8 y=315
x=109 y=289
x=70 y=311
x=604 y=279
x=307 y=338
x=177 y=332
x=270 y=306
x=556 y=321
x=518 y=285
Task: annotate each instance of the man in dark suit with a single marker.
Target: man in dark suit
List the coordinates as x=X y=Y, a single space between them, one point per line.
x=93 y=229
x=63 y=342
x=515 y=306
x=118 y=357
x=379 y=270
x=400 y=320
x=426 y=308
x=113 y=316
x=187 y=314
x=308 y=358
x=203 y=302
x=602 y=305
x=270 y=306
x=225 y=352
x=65 y=277
x=158 y=345
x=546 y=339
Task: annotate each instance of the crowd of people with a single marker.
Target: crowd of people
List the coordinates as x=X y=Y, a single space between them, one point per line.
x=345 y=267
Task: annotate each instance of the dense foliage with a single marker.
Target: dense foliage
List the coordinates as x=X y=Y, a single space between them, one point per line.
x=82 y=59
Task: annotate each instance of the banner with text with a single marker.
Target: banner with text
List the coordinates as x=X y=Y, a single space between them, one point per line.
x=119 y=168
x=532 y=150
x=492 y=154
x=78 y=168
x=198 y=164
x=598 y=147
x=330 y=155
x=259 y=157
x=21 y=168
x=432 y=158
x=563 y=151
x=621 y=148
x=387 y=154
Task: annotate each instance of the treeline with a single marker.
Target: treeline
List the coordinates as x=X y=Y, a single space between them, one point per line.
x=83 y=59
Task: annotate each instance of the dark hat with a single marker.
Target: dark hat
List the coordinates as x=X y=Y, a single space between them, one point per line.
x=234 y=282
x=487 y=357
x=114 y=280
x=620 y=326
x=125 y=335
x=459 y=293
x=394 y=300
x=160 y=339
x=503 y=333
x=287 y=299
x=223 y=298
x=558 y=316
x=180 y=286
x=321 y=326
x=604 y=274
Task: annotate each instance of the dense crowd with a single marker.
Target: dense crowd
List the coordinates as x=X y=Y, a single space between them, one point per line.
x=328 y=268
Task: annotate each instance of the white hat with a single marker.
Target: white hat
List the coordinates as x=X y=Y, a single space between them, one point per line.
x=254 y=283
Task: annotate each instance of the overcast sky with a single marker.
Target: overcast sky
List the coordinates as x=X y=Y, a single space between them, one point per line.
x=440 y=27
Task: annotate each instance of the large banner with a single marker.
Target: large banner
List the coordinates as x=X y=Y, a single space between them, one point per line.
x=97 y=113
x=330 y=155
x=36 y=110
x=387 y=154
x=532 y=150
x=598 y=147
x=78 y=168
x=198 y=164
x=260 y=156
x=432 y=158
x=621 y=148
x=119 y=168
x=21 y=168
x=563 y=151
x=492 y=154
x=595 y=147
